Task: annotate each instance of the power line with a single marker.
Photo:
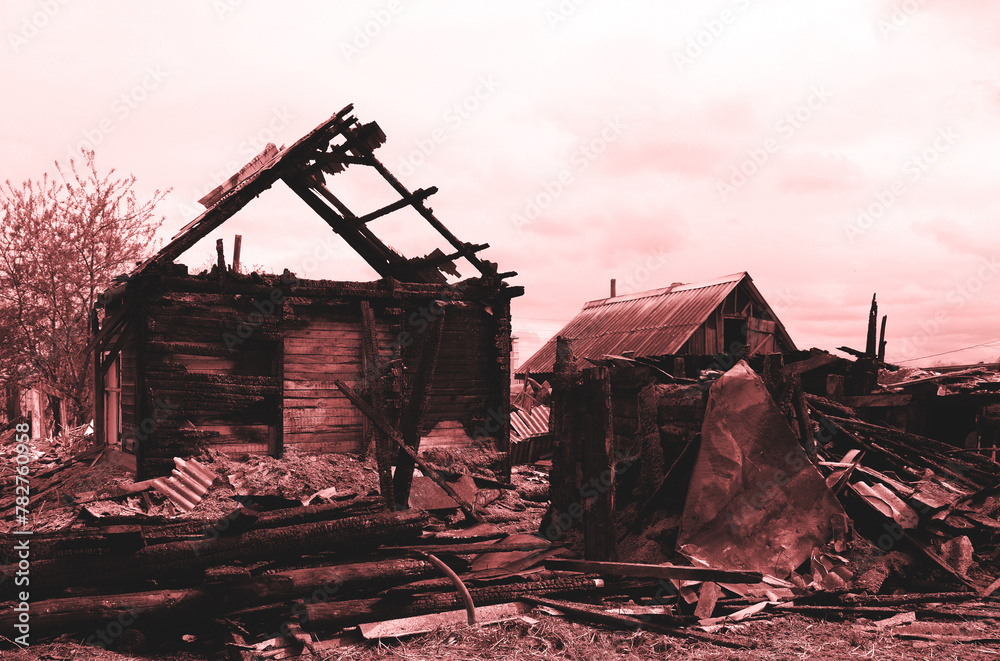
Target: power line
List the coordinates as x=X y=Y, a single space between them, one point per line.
x=974 y=346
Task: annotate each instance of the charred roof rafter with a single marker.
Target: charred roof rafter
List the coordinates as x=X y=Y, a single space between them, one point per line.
x=330 y=148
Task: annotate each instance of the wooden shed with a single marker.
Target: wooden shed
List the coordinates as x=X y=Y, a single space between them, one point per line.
x=727 y=315
x=250 y=363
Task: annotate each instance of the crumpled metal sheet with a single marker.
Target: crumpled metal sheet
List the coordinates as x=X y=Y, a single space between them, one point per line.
x=755 y=501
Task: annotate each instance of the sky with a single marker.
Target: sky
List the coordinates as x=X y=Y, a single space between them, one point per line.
x=832 y=149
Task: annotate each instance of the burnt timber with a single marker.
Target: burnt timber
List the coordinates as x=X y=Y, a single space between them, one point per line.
x=247 y=363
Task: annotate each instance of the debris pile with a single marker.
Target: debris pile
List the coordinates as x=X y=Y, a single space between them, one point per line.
x=842 y=517
x=793 y=505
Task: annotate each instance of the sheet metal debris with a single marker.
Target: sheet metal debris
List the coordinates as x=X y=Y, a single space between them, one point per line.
x=755 y=501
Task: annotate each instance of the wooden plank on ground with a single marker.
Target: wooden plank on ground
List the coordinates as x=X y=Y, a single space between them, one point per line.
x=667 y=571
x=409 y=626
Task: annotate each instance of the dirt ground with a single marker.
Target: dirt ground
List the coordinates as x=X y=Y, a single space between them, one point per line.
x=786 y=637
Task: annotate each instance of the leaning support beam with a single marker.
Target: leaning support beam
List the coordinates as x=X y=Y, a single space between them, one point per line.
x=365 y=408
x=414 y=412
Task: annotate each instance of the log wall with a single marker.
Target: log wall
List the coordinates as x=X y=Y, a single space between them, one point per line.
x=321 y=345
x=210 y=366
x=464 y=387
x=212 y=362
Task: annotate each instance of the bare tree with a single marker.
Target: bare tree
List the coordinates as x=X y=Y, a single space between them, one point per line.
x=62 y=241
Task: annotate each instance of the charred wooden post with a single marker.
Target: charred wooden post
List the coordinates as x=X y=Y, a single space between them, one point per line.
x=276 y=428
x=502 y=335
x=220 y=257
x=565 y=460
x=143 y=399
x=377 y=443
x=583 y=473
x=806 y=436
x=652 y=461
x=237 y=244
x=867 y=364
x=870 y=347
x=599 y=537
x=413 y=413
x=881 y=340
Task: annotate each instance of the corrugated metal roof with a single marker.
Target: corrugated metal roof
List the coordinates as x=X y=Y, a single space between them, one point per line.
x=650 y=323
x=525 y=425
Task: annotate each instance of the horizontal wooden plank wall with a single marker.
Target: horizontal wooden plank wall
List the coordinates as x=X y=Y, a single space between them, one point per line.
x=128 y=391
x=464 y=386
x=210 y=368
x=321 y=346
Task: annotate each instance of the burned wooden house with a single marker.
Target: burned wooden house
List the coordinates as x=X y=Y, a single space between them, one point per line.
x=258 y=363
x=678 y=330
x=727 y=316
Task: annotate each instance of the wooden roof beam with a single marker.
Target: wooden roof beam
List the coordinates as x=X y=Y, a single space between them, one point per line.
x=428 y=215
x=433 y=261
x=384 y=260
x=417 y=197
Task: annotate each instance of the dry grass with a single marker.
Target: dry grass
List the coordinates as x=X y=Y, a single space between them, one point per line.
x=791 y=637
x=551 y=638
x=785 y=638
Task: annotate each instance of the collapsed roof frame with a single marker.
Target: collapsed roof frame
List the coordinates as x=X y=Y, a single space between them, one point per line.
x=330 y=148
